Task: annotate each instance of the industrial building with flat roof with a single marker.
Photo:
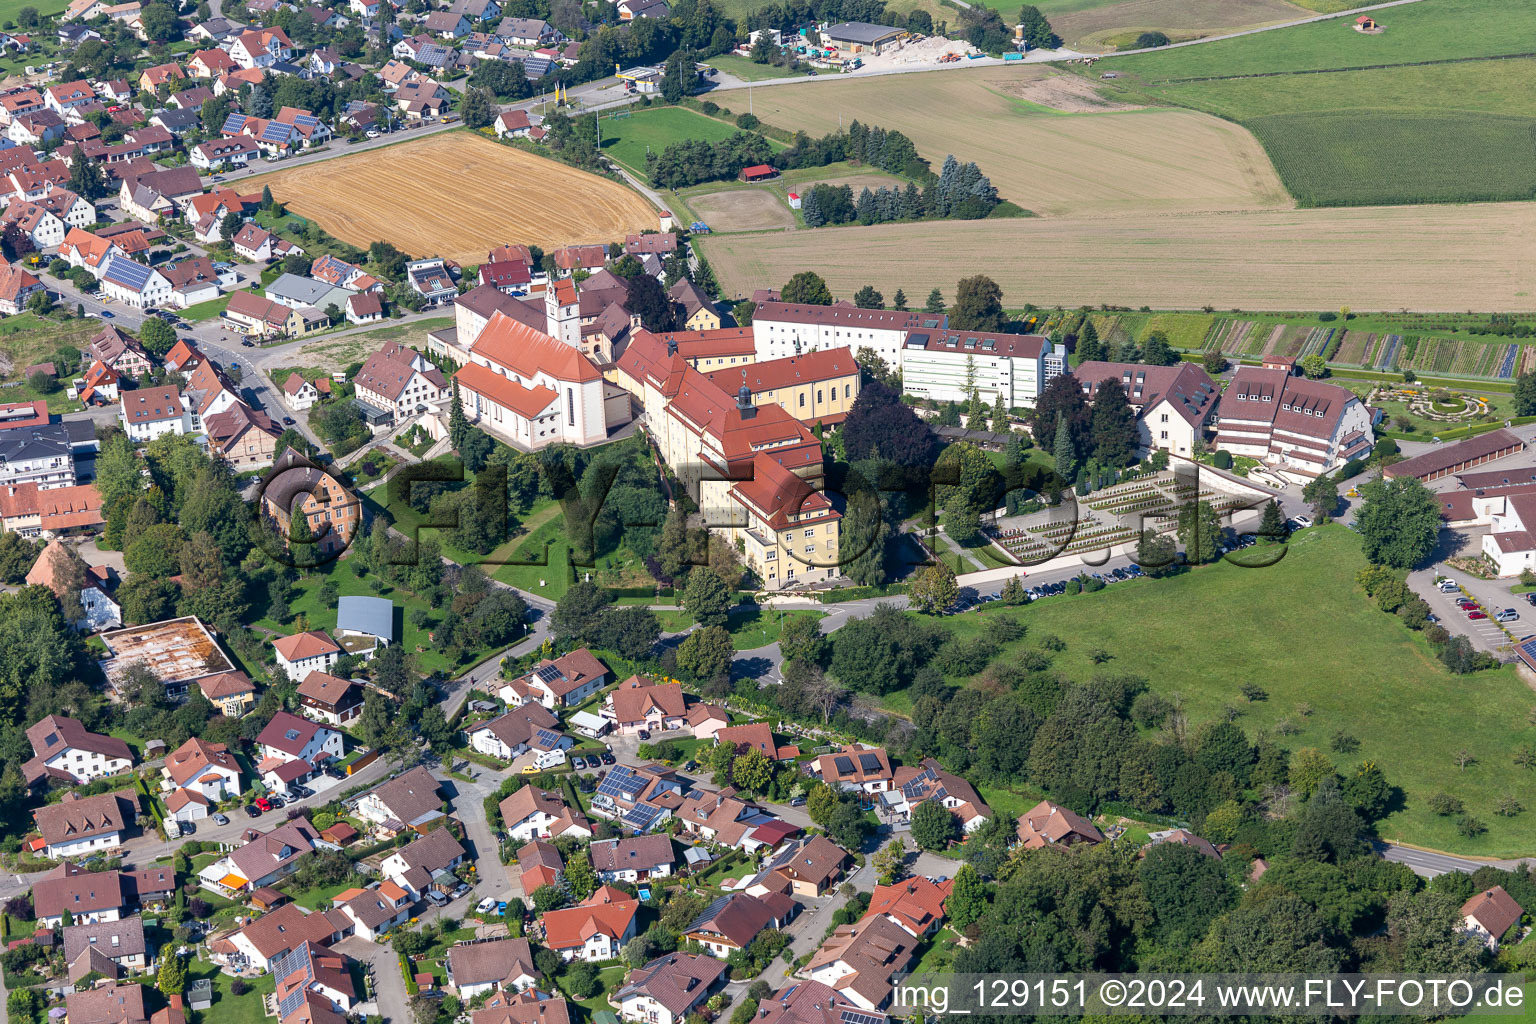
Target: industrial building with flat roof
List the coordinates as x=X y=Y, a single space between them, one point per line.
x=178 y=651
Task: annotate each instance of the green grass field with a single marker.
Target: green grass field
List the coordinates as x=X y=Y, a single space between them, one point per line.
x=1429 y=31
x=627 y=139
x=1399 y=133
x=748 y=71
x=1303 y=632
x=1337 y=159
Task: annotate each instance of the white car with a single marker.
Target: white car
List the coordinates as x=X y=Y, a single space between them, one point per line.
x=372 y=134
x=485 y=906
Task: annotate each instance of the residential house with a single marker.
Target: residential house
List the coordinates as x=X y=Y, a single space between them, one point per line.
x=511 y=124
x=731 y=922
x=66 y=751
x=152 y=887
x=408 y=801
x=218 y=155
x=117 y=351
x=261 y=48
x=210 y=63
x=639 y=704
x=670 y=988
x=208 y=769
x=109 y=948
x=153 y=78
x=431 y=279
x=299 y=393
x=698 y=309
x=302 y=653
x=264 y=941
x=330 y=699
x=62 y=571
x=706 y=720
x=497 y=965
x=447 y=24
x=82 y=248
x=811 y=1002
x=810 y=867
x=154 y=194
x=756 y=736
x=856 y=768
x=88 y=896
x=595 y=929
x=232 y=693
x=419 y=864
x=80 y=825
x=1489 y=915
x=533 y=813
x=632 y=859
x=1049 y=824
x=1174 y=404
x=99 y=386
x=262 y=859
x=860 y=960
x=291 y=738
x=194 y=280
x=253 y=242
x=527 y=32
x=539 y=864
x=521 y=729
x=399 y=381
x=67 y=96
x=1182 y=837
x=183 y=356
x=245 y=438
x=114 y=1003
x=376 y=910
x=319 y=979
x=31 y=510
x=917 y=784
x=364 y=308
x=639 y=798
x=256 y=315
x=44 y=456
x=135 y=285
x=915 y=904
x=564 y=682
x=302 y=488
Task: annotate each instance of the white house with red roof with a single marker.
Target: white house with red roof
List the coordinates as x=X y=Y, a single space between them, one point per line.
x=288 y=737
x=1174 y=404
x=1489 y=914
x=302 y=653
x=1300 y=428
x=595 y=929
x=564 y=682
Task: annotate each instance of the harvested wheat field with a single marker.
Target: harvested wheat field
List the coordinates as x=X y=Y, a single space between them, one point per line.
x=1430 y=258
x=1133 y=161
x=742 y=209
x=457 y=195
x=1116 y=25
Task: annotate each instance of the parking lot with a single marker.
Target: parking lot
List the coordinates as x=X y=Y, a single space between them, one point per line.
x=1492 y=598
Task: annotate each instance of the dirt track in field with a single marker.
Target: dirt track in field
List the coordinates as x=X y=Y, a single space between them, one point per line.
x=458 y=195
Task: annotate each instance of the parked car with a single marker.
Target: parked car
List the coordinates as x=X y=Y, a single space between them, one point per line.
x=263 y=803
x=645 y=734
x=436 y=898
x=219 y=819
x=252 y=811
x=486 y=905
x=187 y=827
x=608 y=757
x=460 y=890
x=530 y=769
x=578 y=762
x=798 y=801
x=107 y=315
x=1476 y=614
x=1508 y=615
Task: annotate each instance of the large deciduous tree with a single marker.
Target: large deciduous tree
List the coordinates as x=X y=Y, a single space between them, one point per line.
x=1398 y=521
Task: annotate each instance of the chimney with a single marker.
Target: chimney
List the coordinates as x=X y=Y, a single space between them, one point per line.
x=744 y=403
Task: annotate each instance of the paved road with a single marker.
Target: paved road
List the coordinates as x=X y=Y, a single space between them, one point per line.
x=1428 y=863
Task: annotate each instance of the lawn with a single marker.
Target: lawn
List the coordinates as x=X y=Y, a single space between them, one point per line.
x=306 y=601
x=628 y=139
x=609 y=978
x=207 y=310
x=748 y=71
x=1303 y=632
x=231 y=1009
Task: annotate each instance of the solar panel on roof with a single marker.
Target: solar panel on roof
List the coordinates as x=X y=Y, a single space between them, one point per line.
x=128 y=272
x=844 y=765
x=851 y=1017
x=234 y=122
x=642 y=817
x=547 y=674
x=869 y=762
x=621 y=781
x=549 y=739
x=306 y=120
x=298 y=960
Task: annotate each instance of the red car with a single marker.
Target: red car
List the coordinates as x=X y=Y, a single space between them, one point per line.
x=1466 y=603
x=1475 y=614
x=263 y=803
